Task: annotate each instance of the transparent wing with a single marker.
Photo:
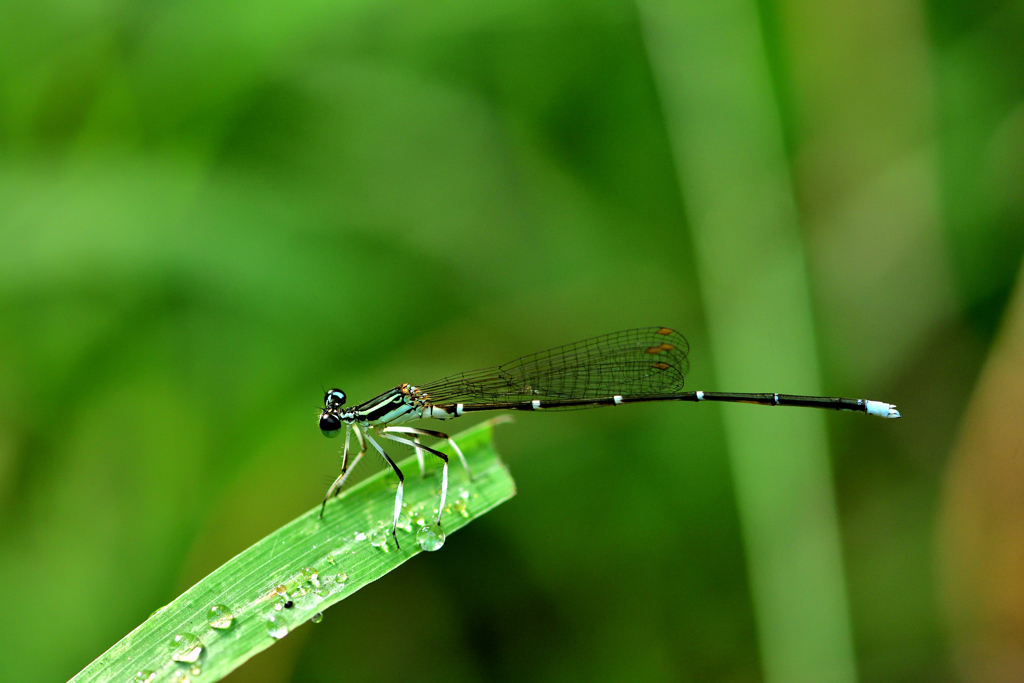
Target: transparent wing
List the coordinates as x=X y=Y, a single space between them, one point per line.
x=649 y=361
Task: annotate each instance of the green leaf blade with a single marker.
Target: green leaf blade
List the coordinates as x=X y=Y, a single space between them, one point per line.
x=335 y=545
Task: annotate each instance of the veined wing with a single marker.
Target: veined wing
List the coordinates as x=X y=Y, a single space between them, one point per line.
x=649 y=361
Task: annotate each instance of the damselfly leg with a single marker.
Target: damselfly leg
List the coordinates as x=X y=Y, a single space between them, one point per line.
x=419 y=457
x=401 y=485
x=346 y=469
x=437 y=435
x=389 y=433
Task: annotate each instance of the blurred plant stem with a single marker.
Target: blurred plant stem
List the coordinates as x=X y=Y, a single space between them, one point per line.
x=981 y=526
x=710 y=65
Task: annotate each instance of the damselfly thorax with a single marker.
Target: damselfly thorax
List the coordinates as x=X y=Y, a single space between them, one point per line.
x=632 y=366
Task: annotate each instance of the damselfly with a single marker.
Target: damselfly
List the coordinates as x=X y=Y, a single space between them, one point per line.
x=633 y=366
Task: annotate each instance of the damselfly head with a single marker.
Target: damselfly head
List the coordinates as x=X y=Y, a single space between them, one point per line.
x=330 y=424
x=334 y=398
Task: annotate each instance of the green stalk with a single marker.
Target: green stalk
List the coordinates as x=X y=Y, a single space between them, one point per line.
x=318 y=562
x=711 y=67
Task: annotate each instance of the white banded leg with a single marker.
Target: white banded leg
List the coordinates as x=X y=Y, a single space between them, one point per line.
x=444 y=458
x=401 y=485
x=346 y=470
x=419 y=457
x=437 y=435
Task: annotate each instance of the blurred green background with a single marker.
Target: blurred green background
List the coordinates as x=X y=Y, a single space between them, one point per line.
x=209 y=210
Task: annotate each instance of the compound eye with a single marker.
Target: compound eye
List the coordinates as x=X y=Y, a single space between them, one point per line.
x=330 y=424
x=334 y=398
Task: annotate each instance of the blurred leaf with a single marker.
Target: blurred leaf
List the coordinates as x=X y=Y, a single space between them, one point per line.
x=979 y=532
x=724 y=126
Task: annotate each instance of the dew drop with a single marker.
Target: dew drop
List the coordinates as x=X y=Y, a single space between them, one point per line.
x=459 y=506
x=145 y=676
x=418 y=519
x=379 y=538
x=276 y=628
x=330 y=560
x=219 y=616
x=279 y=605
x=311 y=575
x=359 y=536
x=430 y=538
x=341 y=578
x=404 y=522
x=195 y=670
x=317 y=618
x=179 y=676
x=187 y=648
x=463 y=494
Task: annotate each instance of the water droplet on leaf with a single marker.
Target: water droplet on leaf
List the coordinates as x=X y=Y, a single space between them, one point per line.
x=430 y=538
x=379 y=538
x=187 y=648
x=459 y=506
x=145 y=676
x=276 y=628
x=219 y=616
x=405 y=521
x=311 y=575
x=317 y=618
